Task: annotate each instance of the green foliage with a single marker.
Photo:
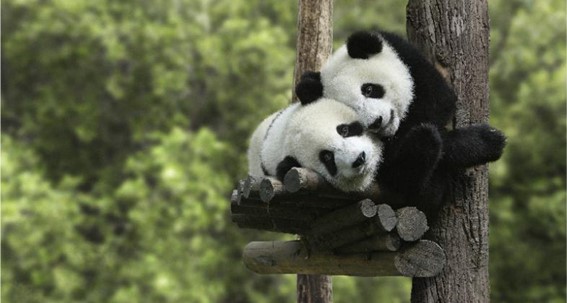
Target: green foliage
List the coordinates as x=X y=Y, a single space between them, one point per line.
x=161 y=236
x=529 y=104
x=107 y=72
x=353 y=15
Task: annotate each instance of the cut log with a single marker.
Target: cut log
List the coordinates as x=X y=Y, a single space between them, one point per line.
x=412 y=223
x=422 y=259
x=277 y=211
x=269 y=188
x=234 y=197
x=305 y=179
x=348 y=235
x=251 y=188
x=380 y=242
x=386 y=217
x=344 y=217
x=312 y=200
x=271 y=224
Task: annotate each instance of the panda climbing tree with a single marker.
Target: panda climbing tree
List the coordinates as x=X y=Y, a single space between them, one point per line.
x=422 y=159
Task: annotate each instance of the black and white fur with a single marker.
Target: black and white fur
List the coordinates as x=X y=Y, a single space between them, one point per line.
x=400 y=96
x=324 y=136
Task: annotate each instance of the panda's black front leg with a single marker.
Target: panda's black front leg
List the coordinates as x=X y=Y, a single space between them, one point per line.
x=472 y=145
x=412 y=160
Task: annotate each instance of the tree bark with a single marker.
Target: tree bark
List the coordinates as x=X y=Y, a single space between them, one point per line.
x=314 y=46
x=454 y=34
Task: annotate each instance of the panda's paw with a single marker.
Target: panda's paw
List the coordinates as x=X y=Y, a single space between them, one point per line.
x=309 y=87
x=493 y=141
x=473 y=145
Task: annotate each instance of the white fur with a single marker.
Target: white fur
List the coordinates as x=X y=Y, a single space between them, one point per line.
x=343 y=76
x=303 y=132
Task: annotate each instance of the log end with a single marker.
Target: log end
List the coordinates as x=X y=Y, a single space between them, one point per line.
x=386 y=217
x=412 y=224
x=293 y=181
x=421 y=260
x=269 y=188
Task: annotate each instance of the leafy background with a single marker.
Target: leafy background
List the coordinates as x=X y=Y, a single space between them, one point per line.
x=125 y=125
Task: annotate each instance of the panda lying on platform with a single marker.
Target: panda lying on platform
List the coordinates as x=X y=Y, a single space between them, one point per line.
x=324 y=136
x=402 y=98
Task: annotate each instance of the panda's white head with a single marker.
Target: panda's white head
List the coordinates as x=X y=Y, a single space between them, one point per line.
x=368 y=75
x=327 y=137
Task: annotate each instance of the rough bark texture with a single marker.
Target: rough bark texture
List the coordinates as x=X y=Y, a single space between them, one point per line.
x=314 y=36
x=314 y=46
x=454 y=34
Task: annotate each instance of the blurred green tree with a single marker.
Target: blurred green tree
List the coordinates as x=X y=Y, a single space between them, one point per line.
x=124 y=126
x=99 y=75
x=528 y=185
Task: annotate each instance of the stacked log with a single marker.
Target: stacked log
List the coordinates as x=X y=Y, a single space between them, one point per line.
x=341 y=233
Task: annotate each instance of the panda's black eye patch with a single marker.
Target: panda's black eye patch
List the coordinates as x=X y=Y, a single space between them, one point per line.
x=372 y=90
x=343 y=130
x=350 y=130
x=328 y=159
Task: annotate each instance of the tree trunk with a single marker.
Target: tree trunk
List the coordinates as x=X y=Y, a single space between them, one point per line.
x=454 y=34
x=314 y=46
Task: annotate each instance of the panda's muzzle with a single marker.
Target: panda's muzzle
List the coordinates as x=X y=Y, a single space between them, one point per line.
x=361 y=159
x=377 y=125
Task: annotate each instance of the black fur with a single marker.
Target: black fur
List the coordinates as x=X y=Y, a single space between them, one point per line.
x=363 y=44
x=350 y=130
x=434 y=101
x=328 y=159
x=423 y=162
x=309 y=87
x=372 y=90
x=428 y=163
x=285 y=165
x=410 y=163
x=472 y=145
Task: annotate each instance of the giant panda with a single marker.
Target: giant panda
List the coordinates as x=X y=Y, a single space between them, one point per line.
x=324 y=136
x=401 y=97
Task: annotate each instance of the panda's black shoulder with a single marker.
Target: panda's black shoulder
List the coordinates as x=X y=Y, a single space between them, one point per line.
x=409 y=54
x=434 y=100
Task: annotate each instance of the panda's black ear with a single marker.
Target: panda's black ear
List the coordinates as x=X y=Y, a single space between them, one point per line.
x=363 y=44
x=285 y=165
x=309 y=87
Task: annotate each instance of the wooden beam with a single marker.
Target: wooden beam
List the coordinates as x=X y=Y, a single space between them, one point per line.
x=424 y=259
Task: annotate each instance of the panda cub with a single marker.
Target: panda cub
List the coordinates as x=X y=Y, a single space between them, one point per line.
x=399 y=95
x=324 y=136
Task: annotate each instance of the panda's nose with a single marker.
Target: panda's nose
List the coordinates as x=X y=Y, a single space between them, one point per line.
x=359 y=160
x=376 y=125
